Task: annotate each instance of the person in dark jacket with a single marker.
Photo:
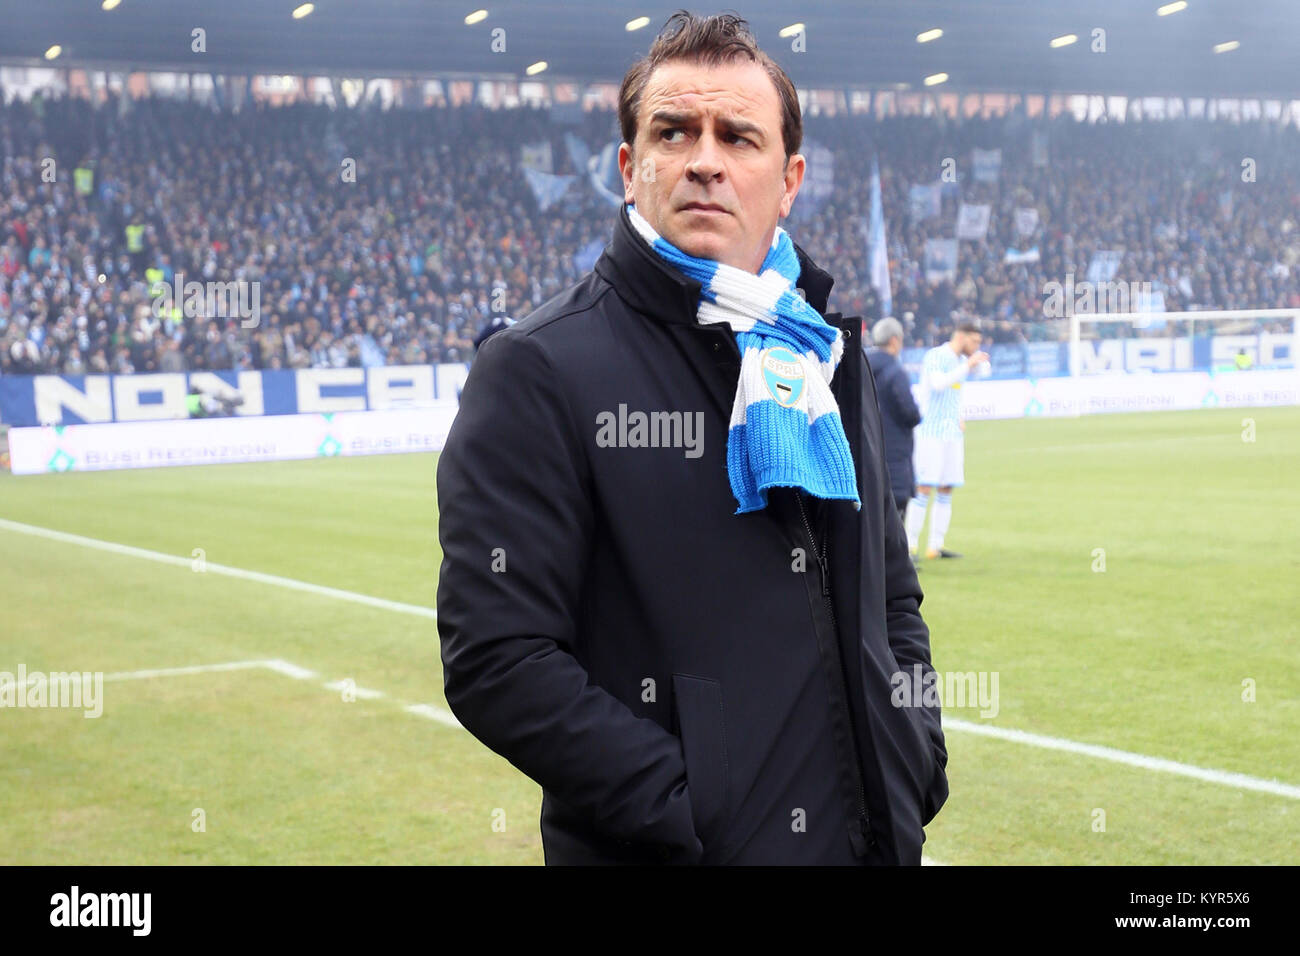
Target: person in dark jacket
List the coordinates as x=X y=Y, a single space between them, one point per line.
x=688 y=681
x=898 y=411
x=498 y=323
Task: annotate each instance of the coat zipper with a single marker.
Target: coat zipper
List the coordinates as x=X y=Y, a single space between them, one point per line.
x=822 y=562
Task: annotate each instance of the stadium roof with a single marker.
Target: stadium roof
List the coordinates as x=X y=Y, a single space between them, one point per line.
x=986 y=44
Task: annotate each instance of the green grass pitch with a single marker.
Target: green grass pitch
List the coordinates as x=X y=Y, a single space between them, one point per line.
x=1199 y=598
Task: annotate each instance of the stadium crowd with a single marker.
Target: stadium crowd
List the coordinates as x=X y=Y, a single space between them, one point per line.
x=439 y=232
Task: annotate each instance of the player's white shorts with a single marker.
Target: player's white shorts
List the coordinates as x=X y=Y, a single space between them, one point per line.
x=938 y=462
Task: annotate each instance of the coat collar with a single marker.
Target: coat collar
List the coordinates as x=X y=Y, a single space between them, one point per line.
x=653 y=287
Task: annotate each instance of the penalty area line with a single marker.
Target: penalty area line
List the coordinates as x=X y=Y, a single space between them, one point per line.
x=275 y=665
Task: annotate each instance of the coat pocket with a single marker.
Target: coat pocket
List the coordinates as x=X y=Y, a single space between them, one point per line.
x=914 y=713
x=698 y=715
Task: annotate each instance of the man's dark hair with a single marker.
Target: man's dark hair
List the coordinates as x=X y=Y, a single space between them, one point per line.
x=969 y=325
x=709 y=41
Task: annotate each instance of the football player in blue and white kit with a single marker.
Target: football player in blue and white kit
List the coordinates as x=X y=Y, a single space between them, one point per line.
x=940 y=447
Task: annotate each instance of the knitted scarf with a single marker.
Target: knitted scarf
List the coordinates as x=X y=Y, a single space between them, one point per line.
x=785 y=424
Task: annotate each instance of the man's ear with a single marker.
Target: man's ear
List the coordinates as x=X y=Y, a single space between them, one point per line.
x=626 y=168
x=795 y=167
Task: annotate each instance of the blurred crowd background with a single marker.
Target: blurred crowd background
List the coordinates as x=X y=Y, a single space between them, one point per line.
x=440 y=232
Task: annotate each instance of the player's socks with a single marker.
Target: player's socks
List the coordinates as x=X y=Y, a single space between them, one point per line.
x=915 y=520
x=939 y=520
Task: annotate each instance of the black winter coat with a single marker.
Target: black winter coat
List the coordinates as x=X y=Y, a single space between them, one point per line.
x=686 y=684
x=899 y=415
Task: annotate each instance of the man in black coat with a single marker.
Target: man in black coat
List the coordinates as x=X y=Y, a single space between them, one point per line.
x=898 y=411
x=687 y=684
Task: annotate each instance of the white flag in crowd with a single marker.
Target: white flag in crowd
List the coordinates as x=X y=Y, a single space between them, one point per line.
x=536 y=156
x=547 y=188
x=604 y=176
x=1104 y=265
x=924 y=201
x=940 y=259
x=987 y=164
x=973 y=220
x=1026 y=220
x=879 y=253
x=1015 y=255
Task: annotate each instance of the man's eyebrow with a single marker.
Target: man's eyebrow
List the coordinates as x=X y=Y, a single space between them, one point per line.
x=733 y=123
x=671 y=116
x=738 y=125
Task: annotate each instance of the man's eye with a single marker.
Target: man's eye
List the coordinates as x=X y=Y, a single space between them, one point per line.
x=669 y=132
x=742 y=139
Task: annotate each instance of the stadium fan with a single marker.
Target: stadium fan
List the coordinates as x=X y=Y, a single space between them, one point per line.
x=498 y=323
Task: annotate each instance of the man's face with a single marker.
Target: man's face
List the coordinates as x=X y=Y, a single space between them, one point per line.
x=711 y=136
x=969 y=342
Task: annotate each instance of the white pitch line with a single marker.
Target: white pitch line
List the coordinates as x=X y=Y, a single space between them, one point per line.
x=1158 y=764
x=429 y=711
x=434 y=713
x=278 y=666
x=289 y=670
x=181 y=671
x=361 y=693
x=210 y=567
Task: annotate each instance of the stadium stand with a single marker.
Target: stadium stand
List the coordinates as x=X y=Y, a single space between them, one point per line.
x=440 y=231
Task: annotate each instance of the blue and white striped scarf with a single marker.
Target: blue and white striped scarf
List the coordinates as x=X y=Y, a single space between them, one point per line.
x=785 y=424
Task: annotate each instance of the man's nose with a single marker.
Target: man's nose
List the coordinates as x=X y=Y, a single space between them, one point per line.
x=706 y=160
